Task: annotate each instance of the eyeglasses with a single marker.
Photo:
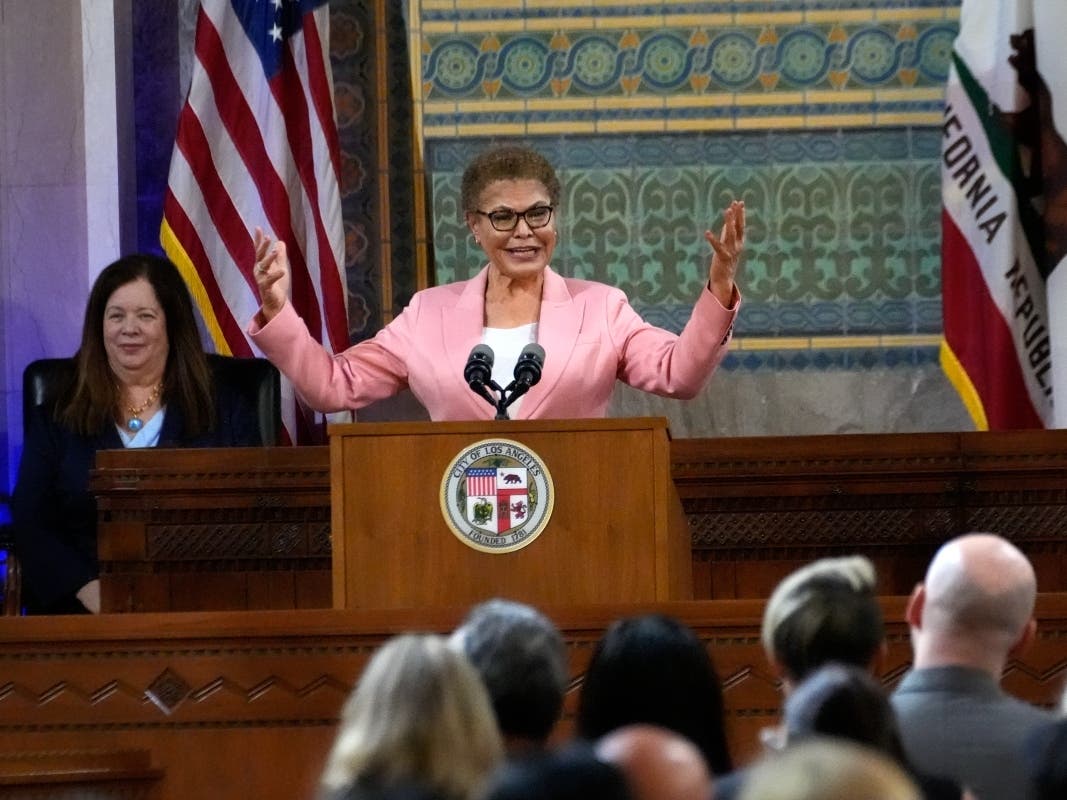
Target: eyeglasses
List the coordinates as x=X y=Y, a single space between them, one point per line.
x=505 y=219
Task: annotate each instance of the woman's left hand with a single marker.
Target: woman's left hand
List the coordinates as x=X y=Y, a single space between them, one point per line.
x=727 y=248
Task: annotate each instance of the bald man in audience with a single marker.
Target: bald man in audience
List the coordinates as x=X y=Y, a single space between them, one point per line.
x=969 y=617
x=659 y=764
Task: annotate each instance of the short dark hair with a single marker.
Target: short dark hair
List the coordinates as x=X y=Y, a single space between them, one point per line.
x=507 y=163
x=91 y=403
x=846 y=702
x=522 y=660
x=826 y=611
x=653 y=669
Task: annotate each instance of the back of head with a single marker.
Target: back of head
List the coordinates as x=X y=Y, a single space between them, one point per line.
x=821 y=769
x=507 y=163
x=522 y=660
x=845 y=702
x=659 y=764
x=979 y=587
x=420 y=716
x=571 y=773
x=652 y=669
x=826 y=611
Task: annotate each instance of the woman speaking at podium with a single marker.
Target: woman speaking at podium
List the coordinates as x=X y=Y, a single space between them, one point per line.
x=589 y=333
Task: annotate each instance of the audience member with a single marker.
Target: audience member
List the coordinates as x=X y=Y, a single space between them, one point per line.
x=973 y=612
x=655 y=670
x=522 y=661
x=570 y=773
x=659 y=764
x=1046 y=756
x=845 y=702
x=828 y=770
x=826 y=611
x=419 y=720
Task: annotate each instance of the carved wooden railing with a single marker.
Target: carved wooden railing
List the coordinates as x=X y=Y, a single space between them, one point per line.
x=246 y=703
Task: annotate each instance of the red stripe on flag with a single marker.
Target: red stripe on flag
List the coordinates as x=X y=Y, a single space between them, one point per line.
x=980 y=336
x=245 y=132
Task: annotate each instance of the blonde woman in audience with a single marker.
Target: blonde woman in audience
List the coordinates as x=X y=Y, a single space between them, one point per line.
x=828 y=769
x=419 y=725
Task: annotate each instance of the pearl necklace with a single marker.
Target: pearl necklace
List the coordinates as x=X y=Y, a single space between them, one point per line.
x=134 y=423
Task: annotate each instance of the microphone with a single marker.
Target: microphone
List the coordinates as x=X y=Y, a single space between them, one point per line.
x=527 y=372
x=528 y=367
x=479 y=371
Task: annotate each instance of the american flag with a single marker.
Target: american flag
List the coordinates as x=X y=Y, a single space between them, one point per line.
x=481 y=481
x=257 y=145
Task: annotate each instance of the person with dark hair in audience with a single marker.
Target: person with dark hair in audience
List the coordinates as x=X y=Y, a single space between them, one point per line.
x=591 y=336
x=418 y=722
x=845 y=702
x=653 y=669
x=522 y=661
x=573 y=772
x=141 y=379
x=970 y=615
x=659 y=764
x=826 y=611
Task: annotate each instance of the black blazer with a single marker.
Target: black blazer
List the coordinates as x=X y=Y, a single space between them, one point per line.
x=53 y=511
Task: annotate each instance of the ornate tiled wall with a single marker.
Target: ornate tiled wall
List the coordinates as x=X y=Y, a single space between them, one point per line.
x=822 y=115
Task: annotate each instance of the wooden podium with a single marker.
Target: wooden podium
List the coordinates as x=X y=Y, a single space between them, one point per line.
x=617 y=532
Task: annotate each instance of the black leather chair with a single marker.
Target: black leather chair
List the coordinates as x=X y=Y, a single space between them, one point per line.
x=255 y=378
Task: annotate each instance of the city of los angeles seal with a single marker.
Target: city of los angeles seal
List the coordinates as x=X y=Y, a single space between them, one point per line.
x=497 y=496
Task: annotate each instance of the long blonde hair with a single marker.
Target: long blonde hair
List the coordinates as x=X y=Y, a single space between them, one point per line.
x=828 y=769
x=420 y=715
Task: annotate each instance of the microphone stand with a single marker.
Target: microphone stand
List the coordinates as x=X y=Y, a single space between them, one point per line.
x=505 y=397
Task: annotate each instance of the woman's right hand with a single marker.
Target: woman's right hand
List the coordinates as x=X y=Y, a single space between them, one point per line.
x=272 y=274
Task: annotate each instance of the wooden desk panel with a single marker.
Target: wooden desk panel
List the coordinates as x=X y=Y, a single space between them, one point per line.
x=218 y=529
x=245 y=704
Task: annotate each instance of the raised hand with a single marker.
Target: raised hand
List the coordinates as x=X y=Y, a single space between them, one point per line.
x=271 y=274
x=727 y=247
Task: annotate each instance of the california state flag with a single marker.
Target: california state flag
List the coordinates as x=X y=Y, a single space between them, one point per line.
x=1004 y=217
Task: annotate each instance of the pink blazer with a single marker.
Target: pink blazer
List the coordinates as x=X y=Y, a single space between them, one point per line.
x=591 y=336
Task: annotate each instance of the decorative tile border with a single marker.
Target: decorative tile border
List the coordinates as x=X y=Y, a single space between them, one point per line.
x=840 y=355
x=511 y=69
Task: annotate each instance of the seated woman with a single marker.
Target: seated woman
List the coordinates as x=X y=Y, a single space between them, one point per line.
x=418 y=725
x=590 y=334
x=141 y=379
